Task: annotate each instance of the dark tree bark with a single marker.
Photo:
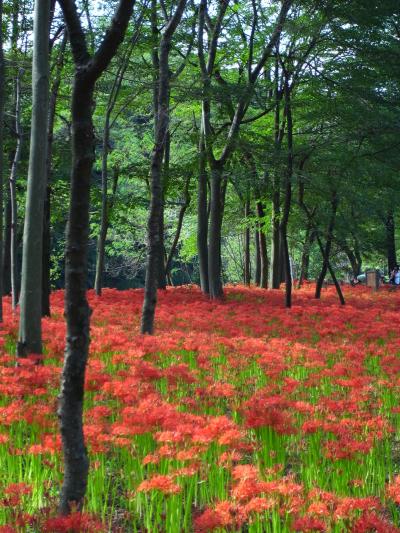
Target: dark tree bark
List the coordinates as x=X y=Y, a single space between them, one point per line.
x=30 y=322
x=262 y=247
x=390 y=241
x=247 y=263
x=202 y=217
x=305 y=256
x=214 y=233
x=257 y=275
x=162 y=278
x=276 y=251
x=87 y=71
x=355 y=261
x=1 y=158
x=153 y=229
x=310 y=216
x=217 y=165
x=288 y=196
x=328 y=246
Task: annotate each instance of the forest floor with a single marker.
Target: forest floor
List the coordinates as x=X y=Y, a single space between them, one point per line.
x=236 y=416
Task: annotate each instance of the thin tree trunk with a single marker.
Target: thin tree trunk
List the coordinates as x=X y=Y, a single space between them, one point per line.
x=1 y=157
x=87 y=70
x=162 y=280
x=153 y=255
x=202 y=217
x=13 y=194
x=258 y=258
x=275 y=281
x=182 y=211
x=331 y=271
x=390 y=241
x=262 y=246
x=46 y=285
x=7 y=247
x=247 y=273
x=105 y=201
x=30 y=324
x=214 y=233
x=101 y=243
x=328 y=246
x=288 y=197
x=305 y=256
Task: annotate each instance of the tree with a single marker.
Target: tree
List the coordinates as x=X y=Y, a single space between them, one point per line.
x=1 y=156
x=88 y=69
x=162 y=124
x=30 y=327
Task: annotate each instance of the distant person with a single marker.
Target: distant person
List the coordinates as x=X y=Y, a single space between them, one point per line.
x=395 y=276
x=361 y=278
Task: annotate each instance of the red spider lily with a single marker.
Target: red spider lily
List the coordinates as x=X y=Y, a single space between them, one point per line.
x=74 y=523
x=164 y=484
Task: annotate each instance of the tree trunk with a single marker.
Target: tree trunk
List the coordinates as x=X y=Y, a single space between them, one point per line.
x=30 y=324
x=1 y=157
x=262 y=246
x=305 y=256
x=288 y=197
x=247 y=273
x=46 y=285
x=105 y=201
x=355 y=265
x=13 y=194
x=214 y=234
x=153 y=255
x=331 y=271
x=202 y=218
x=7 y=247
x=390 y=241
x=101 y=243
x=275 y=240
x=182 y=211
x=258 y=258
x=328 y=246
x=162 y=279
x=87 y=70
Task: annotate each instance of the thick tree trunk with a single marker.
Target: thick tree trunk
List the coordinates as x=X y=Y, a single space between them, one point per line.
x=202 y=218
x=214 y=233
x=1 y=158
x=247 y=263
x=30 y=324
x=87 y=70
x=13 y=194
x=390 y=241
x=153 y=255
x=77 y=310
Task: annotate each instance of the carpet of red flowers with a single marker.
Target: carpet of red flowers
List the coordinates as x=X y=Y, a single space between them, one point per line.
x=236 y=416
